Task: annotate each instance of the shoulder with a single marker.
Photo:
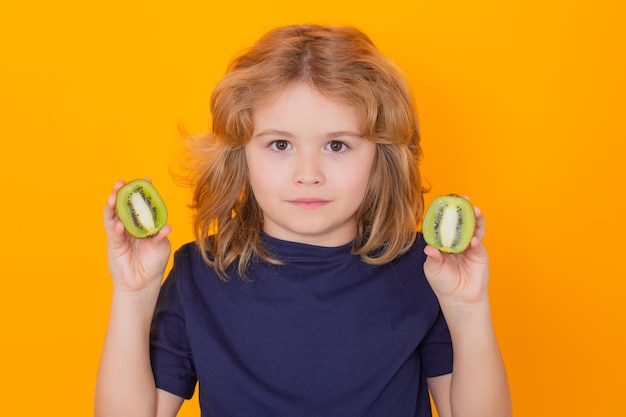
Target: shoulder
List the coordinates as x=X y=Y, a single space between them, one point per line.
x=408 y=269
x=414 y=256
x=189 y=263
x=188 y=255
x=188 y=250
x=418 y=246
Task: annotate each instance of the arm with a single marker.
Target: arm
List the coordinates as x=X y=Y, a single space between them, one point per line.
x=478 y=384
x=125 y=384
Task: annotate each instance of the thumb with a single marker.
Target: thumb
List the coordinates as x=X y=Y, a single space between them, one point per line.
x=434 y=262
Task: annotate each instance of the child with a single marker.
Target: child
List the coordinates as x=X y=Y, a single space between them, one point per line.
x=315 y=296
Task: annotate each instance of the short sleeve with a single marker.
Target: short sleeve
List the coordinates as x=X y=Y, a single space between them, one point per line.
x=436 y=349
x=170 y=354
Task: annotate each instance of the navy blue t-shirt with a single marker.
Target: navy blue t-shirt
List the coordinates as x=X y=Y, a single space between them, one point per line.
x=324 y=335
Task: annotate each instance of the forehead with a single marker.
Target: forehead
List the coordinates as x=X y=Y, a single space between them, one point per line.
x=299 y=102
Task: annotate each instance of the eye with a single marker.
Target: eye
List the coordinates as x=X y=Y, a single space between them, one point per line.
x=280 y=145
x=337 y=146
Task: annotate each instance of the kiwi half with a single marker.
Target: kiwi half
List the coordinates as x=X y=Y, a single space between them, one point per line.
x=449 y=223
x=141 y=209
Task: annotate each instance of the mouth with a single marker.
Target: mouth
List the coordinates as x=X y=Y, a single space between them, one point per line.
x=309 y=203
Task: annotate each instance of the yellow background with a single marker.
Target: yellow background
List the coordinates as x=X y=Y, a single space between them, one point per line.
x=521 y=107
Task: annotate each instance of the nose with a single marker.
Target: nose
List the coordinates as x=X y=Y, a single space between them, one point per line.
x=309 y=170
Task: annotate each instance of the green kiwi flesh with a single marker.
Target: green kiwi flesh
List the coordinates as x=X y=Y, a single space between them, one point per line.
x=141 y=209
x=449 y=223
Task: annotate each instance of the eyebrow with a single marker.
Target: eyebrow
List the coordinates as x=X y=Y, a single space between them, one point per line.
x=331 y=135
x=273 y=132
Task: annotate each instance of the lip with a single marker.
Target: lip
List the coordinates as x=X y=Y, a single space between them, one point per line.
x=309 y=203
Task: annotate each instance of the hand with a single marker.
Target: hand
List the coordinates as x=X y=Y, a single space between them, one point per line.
x=460 y=278
x=135 y=264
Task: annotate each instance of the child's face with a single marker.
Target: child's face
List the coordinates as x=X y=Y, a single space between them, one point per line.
x=309 y=167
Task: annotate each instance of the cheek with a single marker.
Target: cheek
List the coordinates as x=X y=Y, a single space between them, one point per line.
x=355 y=182
x=263 y=178
x=365 y=181
x=363 y=173
x=257 y=169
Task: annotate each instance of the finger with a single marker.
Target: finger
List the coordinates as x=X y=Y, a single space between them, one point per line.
x=434 y=261
x=119 y=232
x=113 y=194
x=162 y=234
x=479 y=229
x=117 y=239
x=477 y=251
x=109 y=209
x=159 y=244
x=433 y=253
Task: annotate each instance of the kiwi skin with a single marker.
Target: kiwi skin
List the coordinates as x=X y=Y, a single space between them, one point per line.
x=455 y=233
x=141 y=209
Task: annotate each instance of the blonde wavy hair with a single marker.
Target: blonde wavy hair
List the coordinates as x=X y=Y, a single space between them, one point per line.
x=343 y=64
